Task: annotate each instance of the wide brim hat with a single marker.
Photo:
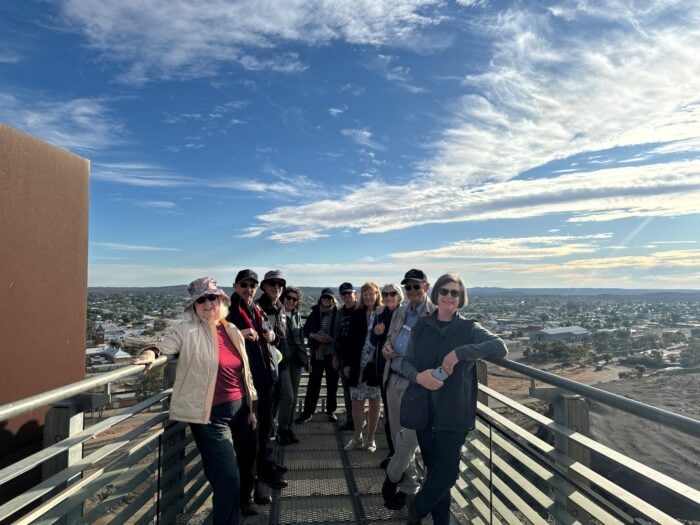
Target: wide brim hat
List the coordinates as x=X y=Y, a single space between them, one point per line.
x=275 y=275
x=205 y=286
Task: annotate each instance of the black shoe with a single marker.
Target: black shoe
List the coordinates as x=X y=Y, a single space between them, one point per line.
x=388 y=489
x=279 y=469
x=346 y=426
x=286 y=437
x=303 y=419
x=332 y=417
x=413 y=518
x=261 y=494
x=276 y=483
x=397 y=502
x=248 y=508
x=385 y=462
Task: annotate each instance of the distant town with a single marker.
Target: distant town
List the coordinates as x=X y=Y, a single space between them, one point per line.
x=646 y=330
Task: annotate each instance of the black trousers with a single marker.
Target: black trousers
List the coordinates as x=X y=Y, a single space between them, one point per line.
x=313 y=390
x=223 y=444
x=265 y=414
x=441 y=451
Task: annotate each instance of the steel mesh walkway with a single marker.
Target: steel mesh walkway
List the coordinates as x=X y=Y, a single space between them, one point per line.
x=328 y=485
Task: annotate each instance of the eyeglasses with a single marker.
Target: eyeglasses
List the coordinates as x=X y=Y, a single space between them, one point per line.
x=389 y=294
x=276 y=282
x=410 y=287
x=291 y=298
x=248 y=284
x=445 y=292
x=346 y=293
x=211 y=298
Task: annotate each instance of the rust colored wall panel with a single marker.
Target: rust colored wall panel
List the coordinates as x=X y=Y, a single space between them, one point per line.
x=44 y=194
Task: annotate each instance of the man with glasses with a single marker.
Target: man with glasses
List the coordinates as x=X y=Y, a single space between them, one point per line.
x=401 y=470
x=341 y=329
x=252 y=323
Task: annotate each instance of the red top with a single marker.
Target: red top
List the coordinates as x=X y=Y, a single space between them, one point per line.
x=229 y=380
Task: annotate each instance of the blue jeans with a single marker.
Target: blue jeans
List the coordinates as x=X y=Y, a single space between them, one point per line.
x=217 y=442
x=441 y=451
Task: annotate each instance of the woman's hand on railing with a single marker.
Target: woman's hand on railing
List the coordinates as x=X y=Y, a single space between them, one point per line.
x=147 y=357
x=449 y=362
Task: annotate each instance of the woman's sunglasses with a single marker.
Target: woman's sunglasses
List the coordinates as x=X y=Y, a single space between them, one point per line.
x=211 y=298
x=389 y=294
x=291 y=298
x=445 y=292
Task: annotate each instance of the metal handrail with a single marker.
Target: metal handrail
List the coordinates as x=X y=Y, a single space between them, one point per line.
x=16 y=408
x=685 y=424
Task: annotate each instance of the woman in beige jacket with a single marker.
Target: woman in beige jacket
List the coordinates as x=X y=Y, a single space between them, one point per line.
x=214 y=392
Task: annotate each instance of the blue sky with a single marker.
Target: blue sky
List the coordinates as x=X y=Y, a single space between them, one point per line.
x=521 y=144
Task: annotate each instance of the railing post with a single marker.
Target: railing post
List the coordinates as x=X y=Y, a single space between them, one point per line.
x=63 y=420
x=483 y=378
x=172 y=471
x=572 y=411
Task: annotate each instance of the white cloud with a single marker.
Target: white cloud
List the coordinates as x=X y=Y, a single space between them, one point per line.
x=164 y=39
x=362 y=137
x=134 y=247
x=334 y=112
x=158 y=205
x=140 y=174
x=399 y=75
x=523 y=248
x=82 y=125
x=296 y=236
x=8 y=56
x=547 y=95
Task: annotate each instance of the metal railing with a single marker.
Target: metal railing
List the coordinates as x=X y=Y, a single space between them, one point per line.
x=147 y=473
x=152 y=471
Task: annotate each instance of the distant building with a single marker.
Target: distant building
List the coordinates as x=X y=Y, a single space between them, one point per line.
x=567 y=334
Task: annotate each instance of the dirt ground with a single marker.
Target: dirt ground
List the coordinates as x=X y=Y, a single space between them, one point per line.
x=668 y=451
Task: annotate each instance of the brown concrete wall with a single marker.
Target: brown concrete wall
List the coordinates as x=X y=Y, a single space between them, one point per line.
x=43 y=275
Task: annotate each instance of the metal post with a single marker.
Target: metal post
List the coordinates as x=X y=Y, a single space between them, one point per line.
x=63 y=420
x=483 y=378
x=572 y=412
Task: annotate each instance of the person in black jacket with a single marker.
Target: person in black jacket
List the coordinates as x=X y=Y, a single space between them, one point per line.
x=254 y=326
x=445 y=339
x=357 y=353
x=318 y=328
x=392 y=297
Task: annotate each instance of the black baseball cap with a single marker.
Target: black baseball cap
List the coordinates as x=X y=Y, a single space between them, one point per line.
x=414 y=275
x=327 y=291
x=346 y=287
x=246 y=274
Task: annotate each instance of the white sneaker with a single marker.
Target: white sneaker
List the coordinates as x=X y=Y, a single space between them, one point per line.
x=371 y=446
x=354 y=444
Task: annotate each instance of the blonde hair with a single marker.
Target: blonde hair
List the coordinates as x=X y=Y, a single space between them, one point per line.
x=370 y=285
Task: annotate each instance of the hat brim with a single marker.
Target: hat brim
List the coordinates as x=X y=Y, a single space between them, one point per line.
x=413 y=279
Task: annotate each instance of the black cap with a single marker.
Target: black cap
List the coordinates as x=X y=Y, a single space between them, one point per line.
x=346 y=287
x=327 y=291
x=414 y=275
x=246 y=274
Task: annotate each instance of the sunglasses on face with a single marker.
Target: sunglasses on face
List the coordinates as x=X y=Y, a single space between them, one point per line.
x=211 y=298
x=248 y=285
x=389 y=294
x=445 y=292
x=275 y=282
x=292 y=298
x=410 y=287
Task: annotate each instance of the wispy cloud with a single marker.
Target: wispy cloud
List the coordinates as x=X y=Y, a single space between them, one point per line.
x=548 y=95
x=140 y=174
x=158 y=205
x=399 y=75
x=82 y=125
x=334 y=112
x=523 y=248
x=362 y=137
x=8 y=56
x=164 y=40
x=134 y=247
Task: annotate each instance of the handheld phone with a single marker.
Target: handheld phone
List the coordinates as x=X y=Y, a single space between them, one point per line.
x=439 y=373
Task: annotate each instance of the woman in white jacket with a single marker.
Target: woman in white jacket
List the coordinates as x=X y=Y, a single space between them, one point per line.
x=213 y=391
